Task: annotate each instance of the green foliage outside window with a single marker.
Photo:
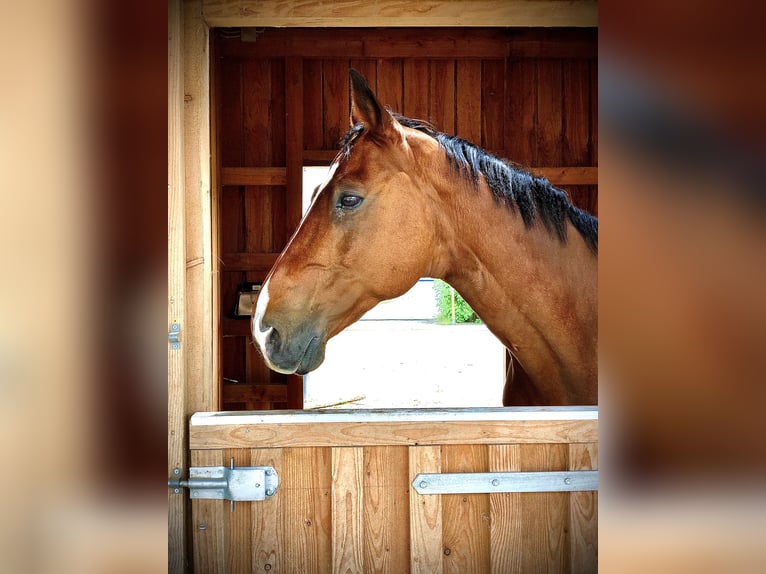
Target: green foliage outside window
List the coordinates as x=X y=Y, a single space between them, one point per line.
x=463 y=311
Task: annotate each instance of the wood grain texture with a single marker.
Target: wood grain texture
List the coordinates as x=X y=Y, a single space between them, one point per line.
x=177 y=456
x=285 y=225
x=442 y=95
x=238 y=525
x=468 y=122
x=347 y=509
x=386 y=509
x=268 y=520
x=306 y=488
x=241 y=175
x=402 y=13
x=549 y=112
x=208 y=523
x=466 y=517
x=214 y=436
x=416 y=96
x=583 y=513
x=507 y=527
x=426 y=550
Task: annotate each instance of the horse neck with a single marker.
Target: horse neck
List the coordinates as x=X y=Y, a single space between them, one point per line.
x=535 y=293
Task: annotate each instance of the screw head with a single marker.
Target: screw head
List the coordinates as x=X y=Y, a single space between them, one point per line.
x=202 y=526
x=423 y=484
x=567 y=480
x=495 y=482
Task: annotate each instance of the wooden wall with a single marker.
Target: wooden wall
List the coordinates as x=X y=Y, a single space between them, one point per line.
x=345 y=501
x=282 y=101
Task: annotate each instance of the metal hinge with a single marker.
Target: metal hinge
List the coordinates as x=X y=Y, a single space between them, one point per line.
x=243 y=483
x=488 y=482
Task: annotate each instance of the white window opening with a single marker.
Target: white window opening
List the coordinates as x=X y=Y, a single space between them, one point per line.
x=398 y=355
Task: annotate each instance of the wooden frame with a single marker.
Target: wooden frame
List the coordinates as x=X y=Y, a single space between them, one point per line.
x=192 y=185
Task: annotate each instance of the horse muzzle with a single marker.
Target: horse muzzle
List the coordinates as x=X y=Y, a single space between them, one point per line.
x=297 y=351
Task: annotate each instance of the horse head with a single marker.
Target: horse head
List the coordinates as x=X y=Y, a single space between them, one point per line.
x=367 y=236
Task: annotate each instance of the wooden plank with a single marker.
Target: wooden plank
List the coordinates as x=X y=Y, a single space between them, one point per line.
x=248 y=262
x=269 y=534
x=506 y=536
x=416 y=80
x=466 y=517
x=306 y=486
x=583 y=513
x=258 y=220
x=255 y=393
x=545 y=516
x=493 y=432
x=294 y=97
x=521 y=112
x=253 y=176
x=386 y=509
x=208 y=523
x=424 y=42
x=468 y=123
x=256 y=107
x=238 y=525
x=177 y=507
x=544 y=13
x=442 y=95
x=390 y=83
x=335 y=101
x=425 y=514
x=201 y=391
x=549 y=112
x=568 y=175
x=347 y=509
x=230 y=118
x=313 y=118
x=493 y=104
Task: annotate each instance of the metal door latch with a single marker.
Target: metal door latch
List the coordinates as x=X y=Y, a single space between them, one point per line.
x=173 y=336
x=244 y=483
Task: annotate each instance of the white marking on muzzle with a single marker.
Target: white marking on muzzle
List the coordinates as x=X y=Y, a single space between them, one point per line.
x=259 y=335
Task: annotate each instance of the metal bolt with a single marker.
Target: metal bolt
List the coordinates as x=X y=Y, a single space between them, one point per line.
x=176 y=471
x=269 y=472
x=270 y=492
x=176 y=490
x=423 y=484
x=495 y=482
x=202 y=526
x=567 y=480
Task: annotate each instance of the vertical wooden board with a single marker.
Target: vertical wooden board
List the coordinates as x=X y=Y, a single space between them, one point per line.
x=312 y=104
x=230 y=280
x=549 y=113
x=507 y=528
x=583 y=513
x=288 y=208
x=369 y=69
x=208 y=522
x=416 y=84
x=233 y=360
x=230 y=117
x=545 y=516
x=468 y=103
x=466 y=517
x=593 y=67
x=390 y=84
x=258 y=373
x=232 y=229
x=576 y=113
x=386 y=509
x=238 y=525
x=178 y=542
x=521 y=112
x=257 y=133
x=336 y=102
x=493 y=105
x=347 y=509
x=277 y=112
x=426 y=550
x=258 y=219
x=305 y=487
x=442 y=95
x=268 y=532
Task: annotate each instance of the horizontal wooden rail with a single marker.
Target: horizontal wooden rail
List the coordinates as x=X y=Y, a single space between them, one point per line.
x=253 y=176
x=394 y=427
x=248 y=261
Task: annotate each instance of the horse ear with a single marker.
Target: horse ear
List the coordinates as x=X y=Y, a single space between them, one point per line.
x=365 y=106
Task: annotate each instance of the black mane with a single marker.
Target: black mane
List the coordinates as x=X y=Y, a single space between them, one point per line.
x=534 y=197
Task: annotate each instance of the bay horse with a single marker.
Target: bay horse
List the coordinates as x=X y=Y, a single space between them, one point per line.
x=403 y=201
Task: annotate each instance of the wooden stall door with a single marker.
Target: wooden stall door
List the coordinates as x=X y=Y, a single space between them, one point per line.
x=345 y=501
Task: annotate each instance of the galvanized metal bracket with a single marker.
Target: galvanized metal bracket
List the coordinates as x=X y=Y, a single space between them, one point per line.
x=244 y=483
x=488 y=482
x=174 y=336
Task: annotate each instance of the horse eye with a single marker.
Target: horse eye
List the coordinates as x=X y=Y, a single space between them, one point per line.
x=350 y=201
